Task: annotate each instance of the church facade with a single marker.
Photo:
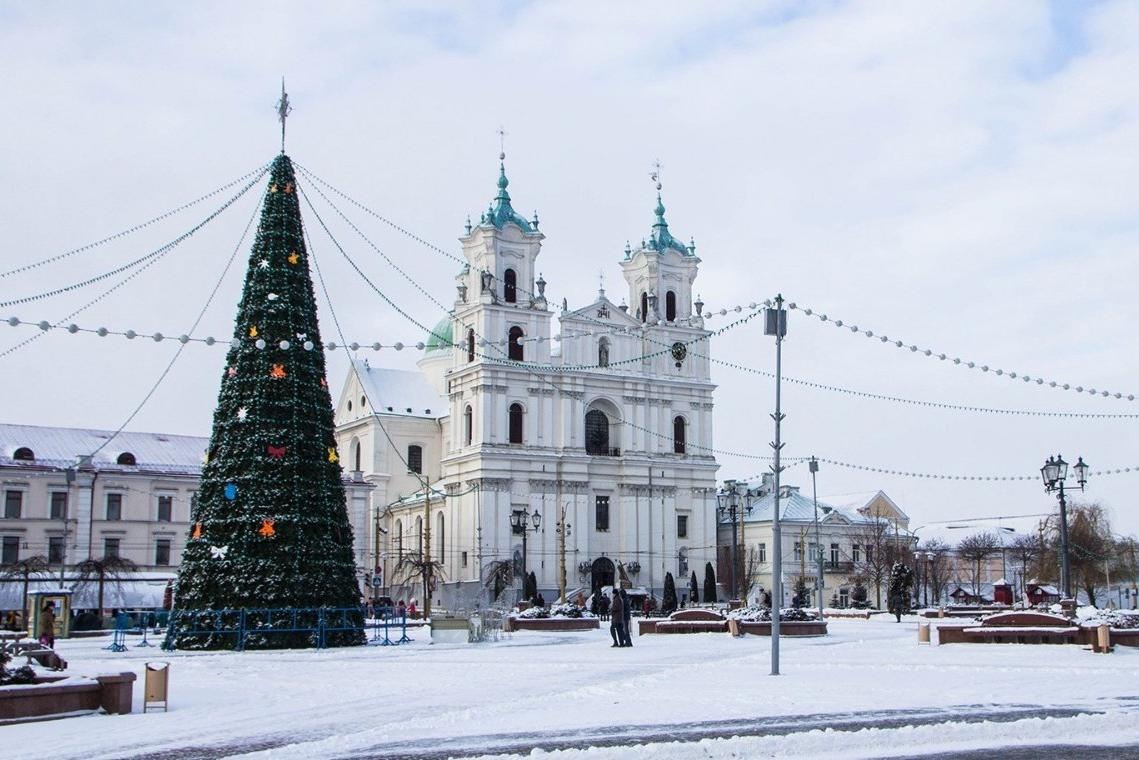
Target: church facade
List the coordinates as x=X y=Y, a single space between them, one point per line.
x=568 y=441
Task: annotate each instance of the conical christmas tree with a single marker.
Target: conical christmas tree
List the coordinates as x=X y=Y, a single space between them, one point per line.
x=270 y=527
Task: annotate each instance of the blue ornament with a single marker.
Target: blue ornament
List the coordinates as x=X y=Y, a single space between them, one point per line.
x=230 y=491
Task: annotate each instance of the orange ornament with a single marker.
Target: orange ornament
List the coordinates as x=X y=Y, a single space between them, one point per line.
x=294 y=258
x=277 y=372
x=288 y=188
x=197 y=530
x=253 y=331
x=267 y=529
x=273 y=188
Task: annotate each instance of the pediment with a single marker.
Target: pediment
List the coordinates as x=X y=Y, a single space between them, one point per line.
x=601 y=310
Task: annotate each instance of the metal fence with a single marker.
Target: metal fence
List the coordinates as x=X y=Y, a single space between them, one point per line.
x=262 y=627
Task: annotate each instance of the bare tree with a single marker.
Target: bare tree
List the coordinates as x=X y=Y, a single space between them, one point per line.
x=748 y=572
x=975 y=549
x=412 y=570
x=1090 y=546
x=23 y=570
x=101 y=570
x=935 y=567
x=498 y=576
x=879 y=545
x=1024 y=550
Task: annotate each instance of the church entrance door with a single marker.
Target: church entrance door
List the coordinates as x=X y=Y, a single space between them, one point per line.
x=604 y=573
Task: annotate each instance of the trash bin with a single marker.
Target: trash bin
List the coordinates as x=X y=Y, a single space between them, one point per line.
x=923 y=632
x=156 y=685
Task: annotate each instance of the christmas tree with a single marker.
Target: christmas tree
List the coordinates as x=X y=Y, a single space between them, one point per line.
x=270 y=526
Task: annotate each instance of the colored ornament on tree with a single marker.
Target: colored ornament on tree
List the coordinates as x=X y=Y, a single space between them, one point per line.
x=293 y=258
x=279 y=460
x=242 y=414
x=197 y=530
x=288 y=188
x=253 y=331
x=230 y=491
x=332 y=455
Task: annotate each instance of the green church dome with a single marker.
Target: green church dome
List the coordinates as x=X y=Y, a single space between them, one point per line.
x=441 y=338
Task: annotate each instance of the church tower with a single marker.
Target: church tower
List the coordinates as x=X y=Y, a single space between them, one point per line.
x=660 y=274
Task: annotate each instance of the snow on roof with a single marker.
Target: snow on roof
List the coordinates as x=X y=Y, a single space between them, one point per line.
x=399 y=391
x=1006 y=529
x=61 y=447
x=799 y=508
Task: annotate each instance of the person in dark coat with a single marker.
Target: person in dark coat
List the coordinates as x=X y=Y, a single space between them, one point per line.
x=603 y=605
x=616 y=609
x=626 y=619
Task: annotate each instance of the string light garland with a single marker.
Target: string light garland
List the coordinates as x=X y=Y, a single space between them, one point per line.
x=942 y=476
x=52 y=259
x=158 y=252
x=957 y=361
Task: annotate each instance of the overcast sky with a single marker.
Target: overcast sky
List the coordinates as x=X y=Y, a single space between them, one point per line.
x=957 y=175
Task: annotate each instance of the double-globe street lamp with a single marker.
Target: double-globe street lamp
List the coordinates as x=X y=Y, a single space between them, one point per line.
x=1055 y=472
x=924 y=569
x=729 y=507
x=521 y=524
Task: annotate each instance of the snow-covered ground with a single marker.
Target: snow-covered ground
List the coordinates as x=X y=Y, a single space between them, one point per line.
x=867 y=690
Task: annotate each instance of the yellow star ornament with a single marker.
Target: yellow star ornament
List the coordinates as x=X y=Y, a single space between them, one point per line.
x=332 y=456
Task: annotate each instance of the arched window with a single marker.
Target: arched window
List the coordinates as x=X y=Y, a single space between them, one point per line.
x=126 y=458
x=515 y=346
x=470 y=345
x=356 y=456
x=644 y=307
x=510 y=286
x=419 y=536
x=399 y=539
x=24 y=454
x=437 y=554
x=670 y=306
x=515 y=423
x=596 y=432
x=415 y=459
x=468 y=425
x=678 y=434
x=603 y=352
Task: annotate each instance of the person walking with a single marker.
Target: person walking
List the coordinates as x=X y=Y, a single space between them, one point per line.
x=47 y=625
x=603 y=605
x=626 y=619
x=616 y=609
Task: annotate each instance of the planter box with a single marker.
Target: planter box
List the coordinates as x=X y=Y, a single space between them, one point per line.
x=786 y=628
x=685 y=621
x=54 y=695
x=450 y=630
x=551 y=624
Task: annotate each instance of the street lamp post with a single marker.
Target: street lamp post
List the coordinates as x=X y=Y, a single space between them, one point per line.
x=775 y=323
x=929 y=557
x=813 y=465
x=564 y=529
x=1055 y=472
x=729 y=505
x=520 y=525
x=921 y=576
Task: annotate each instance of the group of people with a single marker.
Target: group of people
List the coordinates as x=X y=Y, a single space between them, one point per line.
x=620 y=616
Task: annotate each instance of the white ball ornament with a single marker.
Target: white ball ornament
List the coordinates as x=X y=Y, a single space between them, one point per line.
x=308 y=345
x=260 y=343
x=283 y=345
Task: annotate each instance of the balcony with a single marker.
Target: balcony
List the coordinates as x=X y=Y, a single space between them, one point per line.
x=839 y=568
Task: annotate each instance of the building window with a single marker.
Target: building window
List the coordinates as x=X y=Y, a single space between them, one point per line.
x=59 y=505
x=464 y=559
x=114 y=506
x=470 y=345
x=110 y=547
x=24 y=454
x=670 y=306
x=603 y=352
x=596 y=432
x=126 y=459
x=856 y=553
x=510 y=286
x=11 y=552
x=798 y=551
x=515 y=423
x=682 y=526
x=515 y=343
x=165 y=508
x=13 y=504
x=602 y=513
x=869 y=555
x=415 y=458
x=55 y=549
x=644 y=307
x=834 y=554
x=678 y=435
x=162 y=552
x=762 y=552
x=356 y=457
x=468 y=426
x=439 y=539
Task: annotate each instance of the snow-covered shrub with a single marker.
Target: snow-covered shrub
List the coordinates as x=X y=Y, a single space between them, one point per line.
x=763 y=614
x=532 y=613
x=1090 y=617
x=555 y=611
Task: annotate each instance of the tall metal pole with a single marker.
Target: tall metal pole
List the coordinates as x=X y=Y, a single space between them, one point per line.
x=427 y=549
x=743 y=544
x=777 y=326
x=1065 y=576
x=814 y=467
x=735 y=551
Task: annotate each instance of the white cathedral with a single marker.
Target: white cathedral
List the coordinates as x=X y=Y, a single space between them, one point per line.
x=601 y=426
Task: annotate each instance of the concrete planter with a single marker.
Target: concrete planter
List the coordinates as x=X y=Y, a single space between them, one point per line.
x=450 y=630
x=786 y=628
x=57 y=695
x=551 y=624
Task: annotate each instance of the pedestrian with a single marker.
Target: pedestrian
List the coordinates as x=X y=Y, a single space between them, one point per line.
x=540 y=601
x=646 y=607
x=604 y=605
x=412 y=610
x=595 y=603
x=401 y=611
x=626 y=619
x=47 y=625
x=615 y=609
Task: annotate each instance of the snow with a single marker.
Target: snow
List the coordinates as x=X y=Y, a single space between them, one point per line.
x=351 y=702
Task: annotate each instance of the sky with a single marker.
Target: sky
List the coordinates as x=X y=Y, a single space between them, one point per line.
x=960 y=176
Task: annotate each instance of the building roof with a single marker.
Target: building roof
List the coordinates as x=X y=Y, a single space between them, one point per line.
x=1006 y=529
x=441 y=338
x=501 y=212
x=60 y=447
x=401 y=392
x=797 y=507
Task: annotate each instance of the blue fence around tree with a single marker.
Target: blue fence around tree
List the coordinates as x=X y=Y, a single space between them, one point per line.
x=313 y=623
